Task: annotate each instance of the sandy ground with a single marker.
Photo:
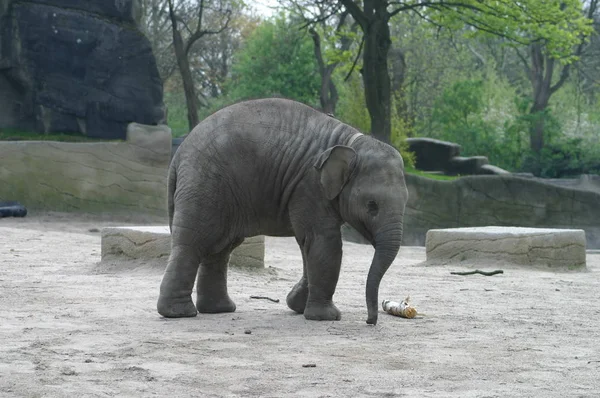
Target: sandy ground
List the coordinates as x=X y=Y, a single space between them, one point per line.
x=71 y=326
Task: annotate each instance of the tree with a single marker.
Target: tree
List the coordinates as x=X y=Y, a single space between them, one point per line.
x=553 y=22
x=157 y=27
x=221 y=18
x=277 y=59
x=332 y=40
x=540 y=67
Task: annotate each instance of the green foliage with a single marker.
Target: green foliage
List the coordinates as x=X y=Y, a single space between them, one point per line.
x=176 y=113
x=565 y=158
x=478 y=115
x=351 y=106
x=276 y=60
x=464 y=113
x=560 y=24
x=458 y=117
x=401 y=130
x=351 y=109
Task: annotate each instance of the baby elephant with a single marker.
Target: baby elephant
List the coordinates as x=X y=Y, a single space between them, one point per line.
x=277 y=167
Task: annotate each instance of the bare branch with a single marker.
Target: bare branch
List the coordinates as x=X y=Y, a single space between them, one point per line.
x=362 y=42
x=358 y=14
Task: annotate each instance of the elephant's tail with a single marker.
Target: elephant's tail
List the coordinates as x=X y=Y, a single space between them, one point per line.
x=171 y=186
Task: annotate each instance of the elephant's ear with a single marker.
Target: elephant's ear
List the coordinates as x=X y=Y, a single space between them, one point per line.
x=335 y=166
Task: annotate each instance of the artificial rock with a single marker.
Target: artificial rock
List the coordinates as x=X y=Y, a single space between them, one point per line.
x=73 y=66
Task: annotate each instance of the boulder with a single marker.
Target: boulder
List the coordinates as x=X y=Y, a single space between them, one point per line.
x=484 y=246
x=460 y=165
x=432 y=154
x=73 y=66
x=154 y=242
x=490 y=169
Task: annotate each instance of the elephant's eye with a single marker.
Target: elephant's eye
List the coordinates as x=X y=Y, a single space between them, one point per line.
x=372 y=208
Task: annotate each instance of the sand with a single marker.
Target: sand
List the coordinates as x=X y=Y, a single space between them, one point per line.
x=71 y=326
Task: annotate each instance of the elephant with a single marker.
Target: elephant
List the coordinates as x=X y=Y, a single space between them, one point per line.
x=277 y=167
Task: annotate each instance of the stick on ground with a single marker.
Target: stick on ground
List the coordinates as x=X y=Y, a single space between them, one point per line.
x=265 y=298
x=486 y=273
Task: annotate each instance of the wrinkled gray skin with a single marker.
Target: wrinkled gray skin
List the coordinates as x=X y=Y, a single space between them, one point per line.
x=277 y=167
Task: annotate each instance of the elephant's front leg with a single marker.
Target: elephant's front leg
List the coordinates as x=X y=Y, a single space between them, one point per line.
x=297 y=297
x=323 y=255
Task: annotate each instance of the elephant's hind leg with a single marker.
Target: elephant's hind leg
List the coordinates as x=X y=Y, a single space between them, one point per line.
x=212 y=283
x=175 y=299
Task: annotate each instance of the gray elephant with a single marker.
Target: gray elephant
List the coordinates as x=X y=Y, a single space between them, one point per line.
x=280 y=168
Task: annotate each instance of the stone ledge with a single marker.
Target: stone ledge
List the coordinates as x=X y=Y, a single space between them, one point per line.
x=538 y=247
x=154 y=242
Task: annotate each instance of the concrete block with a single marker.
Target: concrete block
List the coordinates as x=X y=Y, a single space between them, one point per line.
x=154 y=242
x=545 y=247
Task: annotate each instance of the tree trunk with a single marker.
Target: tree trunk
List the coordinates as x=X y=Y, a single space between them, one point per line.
x=398 y=62
x=376 y=77
x=540 y=74
x=183 y=63
x=536 y=129
x=373 y=20
x=187 y=79
x=328 y=93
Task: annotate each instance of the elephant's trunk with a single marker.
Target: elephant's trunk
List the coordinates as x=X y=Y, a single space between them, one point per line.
x=387 y=243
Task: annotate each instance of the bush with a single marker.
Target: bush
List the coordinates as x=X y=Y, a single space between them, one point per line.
x=276 y=60
x=566 y=158
x=458 y=117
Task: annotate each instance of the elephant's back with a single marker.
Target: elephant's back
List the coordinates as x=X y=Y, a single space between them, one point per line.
x=272 y=138
x=258 y=122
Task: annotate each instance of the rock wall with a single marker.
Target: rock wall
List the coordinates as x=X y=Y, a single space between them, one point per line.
x=502 y=200
x=76 y=66
x=99 y=177
x=499 y=201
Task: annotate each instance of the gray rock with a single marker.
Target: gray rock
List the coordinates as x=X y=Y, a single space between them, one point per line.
x=432 y=154
x=486 y=246
x=154 y=242
x=460 y=165
x=72 y=66
x=490 y=169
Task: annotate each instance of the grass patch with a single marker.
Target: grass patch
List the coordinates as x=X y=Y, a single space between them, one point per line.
x=411 y=170
x=176 y=114
x=17 y=135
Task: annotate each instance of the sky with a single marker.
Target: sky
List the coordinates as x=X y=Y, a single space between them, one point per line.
x=263 y=7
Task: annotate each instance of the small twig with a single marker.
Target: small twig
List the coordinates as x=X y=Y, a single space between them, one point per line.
x=490 y=273
x=264 y=298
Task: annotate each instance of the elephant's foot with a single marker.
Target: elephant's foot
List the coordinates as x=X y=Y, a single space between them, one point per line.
x=209 y=304
x=297 y=297
x=176 y=308
x=322 y=311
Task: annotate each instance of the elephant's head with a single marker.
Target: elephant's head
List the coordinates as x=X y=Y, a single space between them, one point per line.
x=367 y=186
